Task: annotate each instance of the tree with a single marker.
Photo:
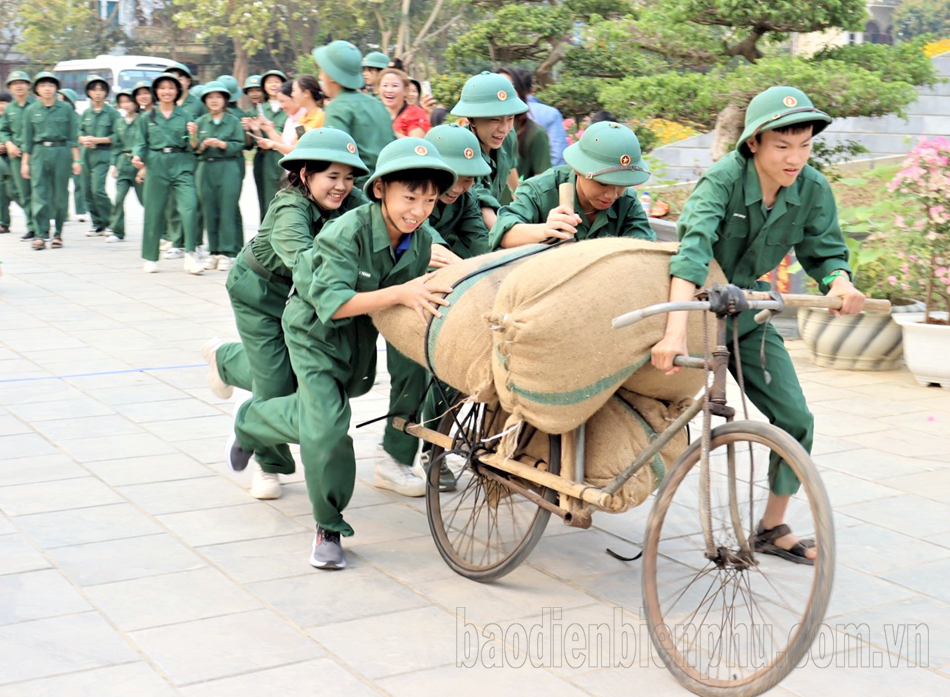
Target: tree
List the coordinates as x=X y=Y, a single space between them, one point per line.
x=51 y=30
x=922 y=17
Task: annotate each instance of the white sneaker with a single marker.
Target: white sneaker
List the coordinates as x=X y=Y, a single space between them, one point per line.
x=150 y=267
x=174 y=253
x=164 y=245
x=264 y=485
x=192 y=265
x=211 y=263
x=395 y=476
x=112 y=238
x=218 y=387
x=94 y=233
x=225 y=263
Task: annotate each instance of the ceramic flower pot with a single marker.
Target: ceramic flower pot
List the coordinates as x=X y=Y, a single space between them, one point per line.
x=865 y=341
x=926 y=349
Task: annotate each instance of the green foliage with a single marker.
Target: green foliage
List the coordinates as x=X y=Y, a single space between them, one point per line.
x=775 y=15
x=447 y=88
x=904 y=62
x=920 y=17
x=693 y=98
x=576 y=97
x=51 y=30
x=823 y=156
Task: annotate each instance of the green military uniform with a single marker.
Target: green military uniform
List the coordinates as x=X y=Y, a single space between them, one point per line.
x=335 y=359
x=534 y=153
x=267 y=169
x=122 y=145
x=219 y=184
x=11 y=131
x=360 y=115
x=96 y=160
x=49 y=134
x=725 y=219
x=163 y=145
x=194 y=106
x=79 y=186
x=7 y=191
x=260 y=281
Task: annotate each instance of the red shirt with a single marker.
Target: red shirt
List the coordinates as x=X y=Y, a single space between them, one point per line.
x=409 y=118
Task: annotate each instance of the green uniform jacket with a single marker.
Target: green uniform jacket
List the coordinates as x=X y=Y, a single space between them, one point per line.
x=57 y=124
x=461 y=226
x=99 y=125
x=11 y=123
x=536 y=158
x=351 y=255
x=365 y=119
x=155 y=132
x=279 y=119
x=228 y=129
x=724 y=219
x=538 y=195
x=490 y=189
x=123 y=141
x=193 y=106
x=290 y=226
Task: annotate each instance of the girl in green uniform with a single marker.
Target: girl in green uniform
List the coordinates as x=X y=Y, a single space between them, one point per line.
x=122 y=171
x=11 y=133
x=320 y=170
x=220 y=147
x=267 y=168
x=96 y=132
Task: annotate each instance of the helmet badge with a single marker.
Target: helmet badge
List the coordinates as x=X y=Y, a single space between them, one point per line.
x=625 y=160
x=421 y=150
x=790 y=102
x=469 y=153
x=502 y=95
x=351 y=148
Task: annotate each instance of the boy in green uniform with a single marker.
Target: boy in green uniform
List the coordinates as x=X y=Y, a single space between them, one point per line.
x=164 y=144
x=360 y=115
x=188 y=101
x=174 y=232
x=79 y=187
x=267 y=168
x=372 y=257
x=220 y=144
x=96 y=131
x=490 y=103
x=601 y=167
x=321 y=170
x=49 y=146
x=747 y=212
x=122 y=171
x=7 y=187
x=11 y=133
x=372 y=63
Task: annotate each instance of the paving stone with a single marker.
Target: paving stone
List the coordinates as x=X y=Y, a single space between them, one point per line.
x=907 y=514
x=230 y=524
x=136 y=679
x=122 y=560
x=479 y=681
x=82 y=525
x=103 y=427
x=58 y=495
x=147 y=469
x=184 y=495
x=265 y=559
x=26 y=445
x=17 y=554
x=34 y=595
x=28 y=470
x=298 y=680
x=95 y=449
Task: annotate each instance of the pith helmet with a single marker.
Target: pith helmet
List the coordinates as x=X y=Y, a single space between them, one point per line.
x=460 y=150
x=19 y=76
x=215 y=87
x=197 y=91
x=180 y=68
x=141 y=85
x=92 y=79
x=126 y=92
x=276 y=73
x=167 y=76
x=45 y=75
x=608 y=153
x=231 y=84
x=341 y=60
x=325 y=145
x=778 y=107
x=410 y=155
x=375 y=59
x=252 y=82
x=69 y=95
x=488 y=95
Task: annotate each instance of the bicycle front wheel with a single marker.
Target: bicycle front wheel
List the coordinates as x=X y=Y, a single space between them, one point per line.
x=728 y=621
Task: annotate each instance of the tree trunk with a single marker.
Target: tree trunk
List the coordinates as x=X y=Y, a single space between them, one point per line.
x=240 y=69
x=542 y=73
x=729 y=126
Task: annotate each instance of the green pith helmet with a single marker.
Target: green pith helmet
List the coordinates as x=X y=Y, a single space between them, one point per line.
x=167 y=76
x=180 y=68
x=121 y=92
x=45 y=75
x=231 y=84
x=409 y=155
x=69 y=95
x=460 y=150
x=92 y=79
x=277 y=73
x=252 y=82
x=325 y=145
x=214 y=87
x=141 y=85
x=488 y=95
x=778 y=107
x=19 y=76
x=341 y=61
x=608 y=153
x=198 y=91
x=375 y=59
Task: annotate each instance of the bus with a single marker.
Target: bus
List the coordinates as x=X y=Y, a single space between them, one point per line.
x=121 y=72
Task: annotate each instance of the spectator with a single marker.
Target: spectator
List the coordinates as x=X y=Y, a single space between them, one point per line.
x=550 y=120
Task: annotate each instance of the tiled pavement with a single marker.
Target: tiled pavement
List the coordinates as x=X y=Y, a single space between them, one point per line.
x=133 y=563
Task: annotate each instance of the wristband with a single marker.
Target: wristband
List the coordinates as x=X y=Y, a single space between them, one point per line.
x=829 y=279
x=77 y=162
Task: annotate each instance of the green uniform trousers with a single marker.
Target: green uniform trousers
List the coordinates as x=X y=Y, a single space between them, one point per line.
x=170 y=182
x=407 y=388
x=125 y=181
x=781 y=400
x=267 y=175
x=24 y=192
x=50 y=170
x=95 y=169
x=7 y=190
x=79 y=195
x=219 y=191
x=261 y=362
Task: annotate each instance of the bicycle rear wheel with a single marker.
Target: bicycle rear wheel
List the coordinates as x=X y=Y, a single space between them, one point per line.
x=734 y=622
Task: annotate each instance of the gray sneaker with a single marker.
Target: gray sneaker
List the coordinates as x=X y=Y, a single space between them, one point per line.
x=327 y=551
x=236 y=456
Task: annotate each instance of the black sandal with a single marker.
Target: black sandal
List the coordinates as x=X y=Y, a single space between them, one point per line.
x=56 y=243
x=763 y=542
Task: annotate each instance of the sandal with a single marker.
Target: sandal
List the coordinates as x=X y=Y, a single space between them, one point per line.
x=763 y=542
x=56 y=243
x=39 y=244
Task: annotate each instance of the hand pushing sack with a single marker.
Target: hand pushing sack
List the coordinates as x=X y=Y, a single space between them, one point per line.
x=556 y=358
x=458 y=345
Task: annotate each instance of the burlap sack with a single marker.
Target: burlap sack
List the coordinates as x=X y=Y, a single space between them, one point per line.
x=556 y=358
x=458 y=346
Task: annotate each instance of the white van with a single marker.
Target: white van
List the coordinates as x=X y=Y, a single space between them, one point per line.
x=122 y=72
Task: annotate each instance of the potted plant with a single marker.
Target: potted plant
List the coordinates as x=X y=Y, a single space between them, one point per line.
x=924 y=259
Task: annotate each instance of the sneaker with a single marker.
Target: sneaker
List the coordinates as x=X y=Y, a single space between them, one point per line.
x=174 y=253
x=192 y=264
x=236 y=456
x=164 y=245
x=218 y=387
x=209 y=264
x=4 y=229
x=150 y=267
x=225 y=263
x=327 y=551
x=95 y=232
x=396 y=476
x=421 y=469
x=264 y=485
x=113 y=238
x=28 y=235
